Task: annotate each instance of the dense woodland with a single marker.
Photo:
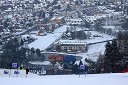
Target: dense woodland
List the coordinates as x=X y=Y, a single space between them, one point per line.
x=15 y=52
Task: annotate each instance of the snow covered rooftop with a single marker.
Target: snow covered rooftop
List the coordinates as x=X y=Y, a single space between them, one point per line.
x=60 y=17
x=40 y=62
x=56 y=17
x=71 y=42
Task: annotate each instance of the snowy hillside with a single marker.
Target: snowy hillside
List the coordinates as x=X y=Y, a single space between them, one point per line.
x=90 y=79
x=92 y=53
x=43 y=42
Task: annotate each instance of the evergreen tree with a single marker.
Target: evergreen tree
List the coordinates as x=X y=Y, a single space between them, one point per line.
x=112 y=57
x=107 y=65
x=14 y=55
x=58 y=48
x=98 y=25
x=123 y=45
x=21 y=42
x=125 y=55
x=120 y=35
x=125 y=24
x=32 y=51
x=73 y=35
x=75 y=69
x=38 y=52
x=116 y=56
x=65 y=66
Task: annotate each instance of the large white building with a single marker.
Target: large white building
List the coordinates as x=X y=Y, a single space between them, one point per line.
x=72 y=46
x=75 y=21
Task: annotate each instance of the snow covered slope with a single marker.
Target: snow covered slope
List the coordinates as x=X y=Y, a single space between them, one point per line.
x=43 y=42
x=90 y=79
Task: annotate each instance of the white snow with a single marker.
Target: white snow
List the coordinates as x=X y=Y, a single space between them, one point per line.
x=97 y=48
x=43 y=42
x=40 y=63
x=73 y=21
x=90 y=79
x=101 y=37
x=93 y=52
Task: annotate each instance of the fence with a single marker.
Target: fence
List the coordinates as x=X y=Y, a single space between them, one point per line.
x=15 y=72
x=51 y=72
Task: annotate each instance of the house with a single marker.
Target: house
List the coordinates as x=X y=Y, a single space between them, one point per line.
x=75 y=21
x=57 y=19
x=39 y=64
x=41 y=33
x=49 y=27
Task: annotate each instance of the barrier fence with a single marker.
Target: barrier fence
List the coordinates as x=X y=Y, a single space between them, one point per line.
x=12 y=72
x=15 y=72
x=51 y=72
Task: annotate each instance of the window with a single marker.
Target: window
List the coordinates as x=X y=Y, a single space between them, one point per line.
x=65 y=48
x=80 y=48
x=70 y=48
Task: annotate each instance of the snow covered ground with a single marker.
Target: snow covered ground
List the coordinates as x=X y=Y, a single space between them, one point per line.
x=43 y=42
x=93 y=52
x=95 y=37
x=90 y=79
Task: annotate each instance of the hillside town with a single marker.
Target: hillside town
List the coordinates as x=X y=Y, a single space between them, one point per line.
x=58 y=36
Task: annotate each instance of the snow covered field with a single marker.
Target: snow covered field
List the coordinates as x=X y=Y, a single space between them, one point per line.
x=90 y=79
x=43 y=42
x=93 y=52
x=100 y=38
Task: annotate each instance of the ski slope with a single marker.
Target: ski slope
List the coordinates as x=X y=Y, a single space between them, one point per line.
x=43 y=42
x=90 y=79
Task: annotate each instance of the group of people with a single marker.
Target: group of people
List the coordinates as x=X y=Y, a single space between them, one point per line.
x=27 y=69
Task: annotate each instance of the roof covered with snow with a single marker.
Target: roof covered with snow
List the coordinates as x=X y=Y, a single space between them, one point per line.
x=40 y=62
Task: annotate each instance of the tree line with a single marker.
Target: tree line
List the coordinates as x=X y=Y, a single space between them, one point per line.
x=115 y=58
x=14 y=51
